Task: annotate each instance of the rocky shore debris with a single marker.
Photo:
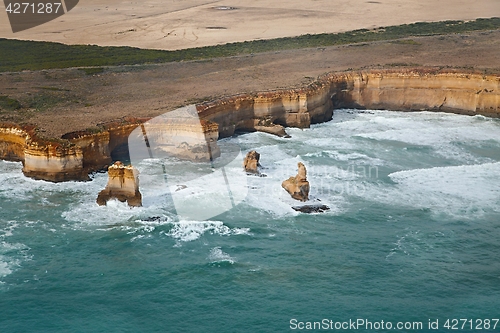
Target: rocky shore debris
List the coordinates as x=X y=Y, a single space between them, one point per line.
x=298 y=186
x=267 y=126
x=308 y=209
x=123 y=184
x=180 y=187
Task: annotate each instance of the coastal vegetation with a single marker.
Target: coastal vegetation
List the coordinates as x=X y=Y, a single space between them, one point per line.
x=9 y=104
x=20 y=55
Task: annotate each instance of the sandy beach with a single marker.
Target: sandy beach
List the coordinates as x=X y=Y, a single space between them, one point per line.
x=174 y=24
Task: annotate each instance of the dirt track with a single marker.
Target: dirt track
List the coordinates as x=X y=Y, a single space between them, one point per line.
x=78 y=101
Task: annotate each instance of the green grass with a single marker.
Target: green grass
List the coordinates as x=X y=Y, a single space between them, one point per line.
x=45 y=100
x=19 y=55
x=9 y=104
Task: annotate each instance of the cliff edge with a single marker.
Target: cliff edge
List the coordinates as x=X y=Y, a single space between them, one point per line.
x=76 y=154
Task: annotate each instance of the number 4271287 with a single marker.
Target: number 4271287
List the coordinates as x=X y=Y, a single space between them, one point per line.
x=33 y=8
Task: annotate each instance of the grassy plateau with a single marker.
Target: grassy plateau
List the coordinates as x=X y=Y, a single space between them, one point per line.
x=17 y=55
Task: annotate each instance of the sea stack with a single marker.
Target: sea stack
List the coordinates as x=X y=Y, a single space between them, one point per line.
x=298 y=186
x=123 y=184
x=251 y=162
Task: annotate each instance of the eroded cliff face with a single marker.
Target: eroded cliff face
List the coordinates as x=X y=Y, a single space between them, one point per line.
x=77 y=154
x=53 y=162
x=42 y=159
x=12 y=142
x=416 y=90
x=185 y=138
x=407 y=90
x=97 y=148
x=267 y=111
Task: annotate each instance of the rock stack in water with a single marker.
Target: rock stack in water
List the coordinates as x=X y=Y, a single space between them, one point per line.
x=123 y=184
x=298 y=186
x=251 y=162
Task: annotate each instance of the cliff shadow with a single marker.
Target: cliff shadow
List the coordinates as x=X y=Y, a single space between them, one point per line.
x=121 y=153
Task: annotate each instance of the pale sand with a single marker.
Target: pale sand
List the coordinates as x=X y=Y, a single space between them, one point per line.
x=176 y=24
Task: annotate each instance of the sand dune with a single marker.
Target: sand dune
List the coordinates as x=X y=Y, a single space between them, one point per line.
x=176 y=24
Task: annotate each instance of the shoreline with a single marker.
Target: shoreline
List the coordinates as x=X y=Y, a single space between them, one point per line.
x=416 y=89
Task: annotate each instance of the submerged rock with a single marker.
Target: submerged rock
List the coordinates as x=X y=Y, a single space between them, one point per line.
x=152 y=219
x=251 y=162
x=123 y=184
x=298 y=186
x=311 y=208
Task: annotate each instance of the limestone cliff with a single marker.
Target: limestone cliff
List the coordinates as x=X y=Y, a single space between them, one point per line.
x=53 y=162
x=270 y=111
x=178 y=134
x=416 y=90
x=402 y=90
x=123 y=184
x=13 y=140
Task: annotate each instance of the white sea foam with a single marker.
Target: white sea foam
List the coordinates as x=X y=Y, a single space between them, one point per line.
x=478 y=183
x=12 y=255
x=4 y=270
x=15 y=186
x=5 y=261
x=466 y=191
x=321 y=147
x=187 y=231
x=429 y=136
x=406 y=244
x=442 y=132
x=218 y=256
x=355 y=157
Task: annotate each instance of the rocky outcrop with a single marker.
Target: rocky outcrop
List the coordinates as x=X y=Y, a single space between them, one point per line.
x=309 y=209
x=123 y=184
x=267 y=126
x=251 y=162
x=298 y=186
x=77 y=154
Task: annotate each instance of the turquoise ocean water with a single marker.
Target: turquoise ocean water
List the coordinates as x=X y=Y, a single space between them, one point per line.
x=413 y=234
